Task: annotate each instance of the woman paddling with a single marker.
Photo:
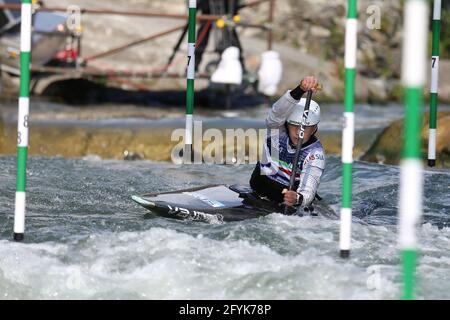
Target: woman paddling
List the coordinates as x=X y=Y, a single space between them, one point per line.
x=272 y=174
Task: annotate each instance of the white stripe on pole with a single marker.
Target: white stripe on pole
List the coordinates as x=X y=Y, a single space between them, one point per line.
x=437 y=10
x=192 y=3
x=345 y=230
x=434 y=74
x=348 y=137
x=191 y=65
x=351 y=33
x=189 y=126
x=432 y=144
x=19 y=216
x=22 y=121
x=410 y=206
x=414 y=60
x=25 y=28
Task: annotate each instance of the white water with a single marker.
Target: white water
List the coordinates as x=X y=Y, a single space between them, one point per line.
x=277 y=257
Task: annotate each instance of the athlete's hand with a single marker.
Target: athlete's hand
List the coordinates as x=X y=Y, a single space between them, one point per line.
x=290 y=197
x=309 y=83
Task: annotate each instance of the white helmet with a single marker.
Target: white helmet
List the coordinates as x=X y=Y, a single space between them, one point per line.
x=296 y=115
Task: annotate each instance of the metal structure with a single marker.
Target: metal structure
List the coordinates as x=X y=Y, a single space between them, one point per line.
x=83 y=70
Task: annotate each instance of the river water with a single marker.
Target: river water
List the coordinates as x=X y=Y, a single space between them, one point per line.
x=86 y=239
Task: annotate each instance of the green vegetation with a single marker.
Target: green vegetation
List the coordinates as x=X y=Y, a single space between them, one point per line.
x=397 y=92
x=335 y=44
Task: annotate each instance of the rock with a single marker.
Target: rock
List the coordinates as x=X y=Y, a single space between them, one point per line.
x=444 y=81
x=361 y=87
x=8 y=85
x=377 y=90
x=2 y=135
x=387 y=147
x=318 y=31
x=142 y=143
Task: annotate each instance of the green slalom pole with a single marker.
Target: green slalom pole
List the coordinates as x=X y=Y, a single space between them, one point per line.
x=411 y=184
x=22 y=123
x=190 y=82
x=351 y=31
x=434 y=83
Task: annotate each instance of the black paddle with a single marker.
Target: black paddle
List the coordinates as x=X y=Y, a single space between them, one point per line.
x=301 y=135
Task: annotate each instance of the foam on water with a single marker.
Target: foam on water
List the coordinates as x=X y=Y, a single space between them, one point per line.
x=165 y=264
x=86 y=239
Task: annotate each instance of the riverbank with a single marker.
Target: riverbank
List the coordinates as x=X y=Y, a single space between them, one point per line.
x=386 y=148
x=138 y=139
x=134 y=132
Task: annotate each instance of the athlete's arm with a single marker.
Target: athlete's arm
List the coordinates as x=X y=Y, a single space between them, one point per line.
x=310 y=176
x=282 y=108
x=310 y=183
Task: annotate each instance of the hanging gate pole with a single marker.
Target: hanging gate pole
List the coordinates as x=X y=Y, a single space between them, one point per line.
x=413 y=78
x=434 y=83
x=22 y=120
x=188 y=151
x=351 y=31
